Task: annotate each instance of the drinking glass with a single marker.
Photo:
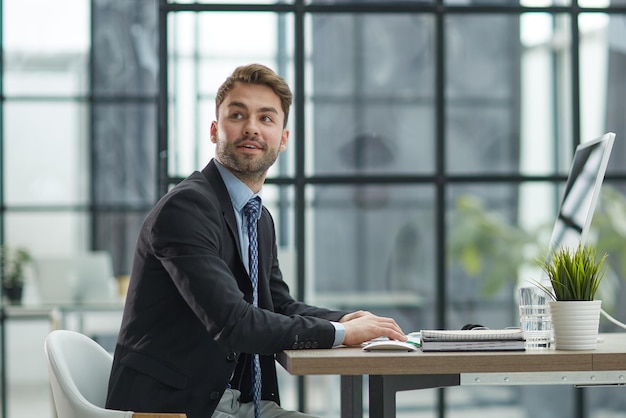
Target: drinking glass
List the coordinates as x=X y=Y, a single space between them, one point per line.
x=535 y=320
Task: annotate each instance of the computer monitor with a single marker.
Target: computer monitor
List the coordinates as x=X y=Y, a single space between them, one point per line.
x=581 y=192
x=76 y=279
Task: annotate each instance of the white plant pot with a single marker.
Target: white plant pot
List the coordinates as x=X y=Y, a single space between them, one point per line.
x=575 y=324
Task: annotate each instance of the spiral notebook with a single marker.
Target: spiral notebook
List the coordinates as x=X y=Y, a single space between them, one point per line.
x=473 y=334
x=473 y=340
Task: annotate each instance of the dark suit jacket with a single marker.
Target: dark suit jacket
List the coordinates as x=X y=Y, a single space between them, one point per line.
x=189 y=326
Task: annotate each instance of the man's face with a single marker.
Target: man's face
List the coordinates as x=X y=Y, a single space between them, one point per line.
x=249 y=131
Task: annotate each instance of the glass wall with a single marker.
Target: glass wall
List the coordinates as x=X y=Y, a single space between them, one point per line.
x=45 y=160
x=79 y=150
x=429 y=141
x=78 y=140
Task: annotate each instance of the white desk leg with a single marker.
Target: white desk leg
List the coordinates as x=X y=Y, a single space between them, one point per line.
x=383 y=390
x=352 y=396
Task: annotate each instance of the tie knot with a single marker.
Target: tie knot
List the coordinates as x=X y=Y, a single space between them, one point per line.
x=252 y=208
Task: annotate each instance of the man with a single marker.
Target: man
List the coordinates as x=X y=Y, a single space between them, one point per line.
x=200 y=305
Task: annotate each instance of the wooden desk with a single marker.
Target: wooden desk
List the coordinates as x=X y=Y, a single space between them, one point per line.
x=390 y=372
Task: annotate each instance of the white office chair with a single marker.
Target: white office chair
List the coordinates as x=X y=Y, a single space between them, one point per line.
x=79 y=370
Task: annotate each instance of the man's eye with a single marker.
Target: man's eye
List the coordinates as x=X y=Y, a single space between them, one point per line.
x=266 y=118
x=236 y=116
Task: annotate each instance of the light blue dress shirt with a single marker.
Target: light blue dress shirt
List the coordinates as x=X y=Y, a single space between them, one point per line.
x=239 y=196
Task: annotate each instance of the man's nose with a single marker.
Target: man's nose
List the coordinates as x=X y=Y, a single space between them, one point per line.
x=251 y=128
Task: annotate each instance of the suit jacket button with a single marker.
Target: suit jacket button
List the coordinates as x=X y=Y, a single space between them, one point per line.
x=231 y=356
x=294 y=346
x=314 y=345
x=307 y=345
x=215 y=396
x=301 y=345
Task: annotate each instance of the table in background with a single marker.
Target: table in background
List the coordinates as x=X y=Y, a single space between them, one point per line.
x=391 y=372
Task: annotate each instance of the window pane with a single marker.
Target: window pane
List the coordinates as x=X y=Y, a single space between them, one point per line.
x=482 y=91
x=280 y=202
x=37 y=75
x=602 y=78
x=598 y=3
x=372 y=248
x=232 y=1
x=46 y=157
x=62 y=25
x=125 y=47
x=616 y=81
x=362 y=1
x=487 y=247
x=48 y=233
x=371 y=103
x=545 y=71
x=545 y=3
x=124 y=154
x=45 y=53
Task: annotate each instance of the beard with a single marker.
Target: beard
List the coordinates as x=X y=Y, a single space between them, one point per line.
x=245 y=167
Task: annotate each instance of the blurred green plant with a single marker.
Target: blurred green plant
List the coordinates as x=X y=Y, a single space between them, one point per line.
x=13 y=261
x=491 y=248
x=609 y=228
x=487 y=246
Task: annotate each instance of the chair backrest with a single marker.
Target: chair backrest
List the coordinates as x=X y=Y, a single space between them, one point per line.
x=79 y=371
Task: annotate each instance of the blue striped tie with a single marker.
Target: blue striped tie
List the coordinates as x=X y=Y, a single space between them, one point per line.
x=251 y=210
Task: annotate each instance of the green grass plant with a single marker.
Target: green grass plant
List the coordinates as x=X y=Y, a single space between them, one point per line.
x=575 y=275
x=13 y=261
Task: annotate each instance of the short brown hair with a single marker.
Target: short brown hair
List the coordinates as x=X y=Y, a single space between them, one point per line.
x=257 y=74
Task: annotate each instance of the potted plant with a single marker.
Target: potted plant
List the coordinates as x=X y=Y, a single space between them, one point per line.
x=574 y=275
x=13 y=261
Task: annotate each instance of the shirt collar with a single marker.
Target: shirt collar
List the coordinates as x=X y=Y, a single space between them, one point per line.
x=237 y=189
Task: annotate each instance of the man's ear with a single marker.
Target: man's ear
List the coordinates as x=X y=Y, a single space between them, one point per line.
x=214 y=132
x=284 y=140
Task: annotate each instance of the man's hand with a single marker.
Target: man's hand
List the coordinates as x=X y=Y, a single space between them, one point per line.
x=363 y=326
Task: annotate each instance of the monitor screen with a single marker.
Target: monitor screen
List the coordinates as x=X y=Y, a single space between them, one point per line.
x=75 y=279
x=581 y=192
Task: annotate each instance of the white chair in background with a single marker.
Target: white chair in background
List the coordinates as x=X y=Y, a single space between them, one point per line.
x=78 y=371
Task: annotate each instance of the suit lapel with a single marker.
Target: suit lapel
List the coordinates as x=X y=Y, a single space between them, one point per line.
x=265 y=234
x=213 y=176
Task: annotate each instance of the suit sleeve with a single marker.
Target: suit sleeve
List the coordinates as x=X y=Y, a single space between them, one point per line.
x=188 y=237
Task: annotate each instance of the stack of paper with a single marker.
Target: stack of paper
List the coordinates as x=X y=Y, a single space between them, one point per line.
x=509 y=339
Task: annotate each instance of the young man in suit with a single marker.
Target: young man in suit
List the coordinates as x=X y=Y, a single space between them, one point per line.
x=202 y=313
